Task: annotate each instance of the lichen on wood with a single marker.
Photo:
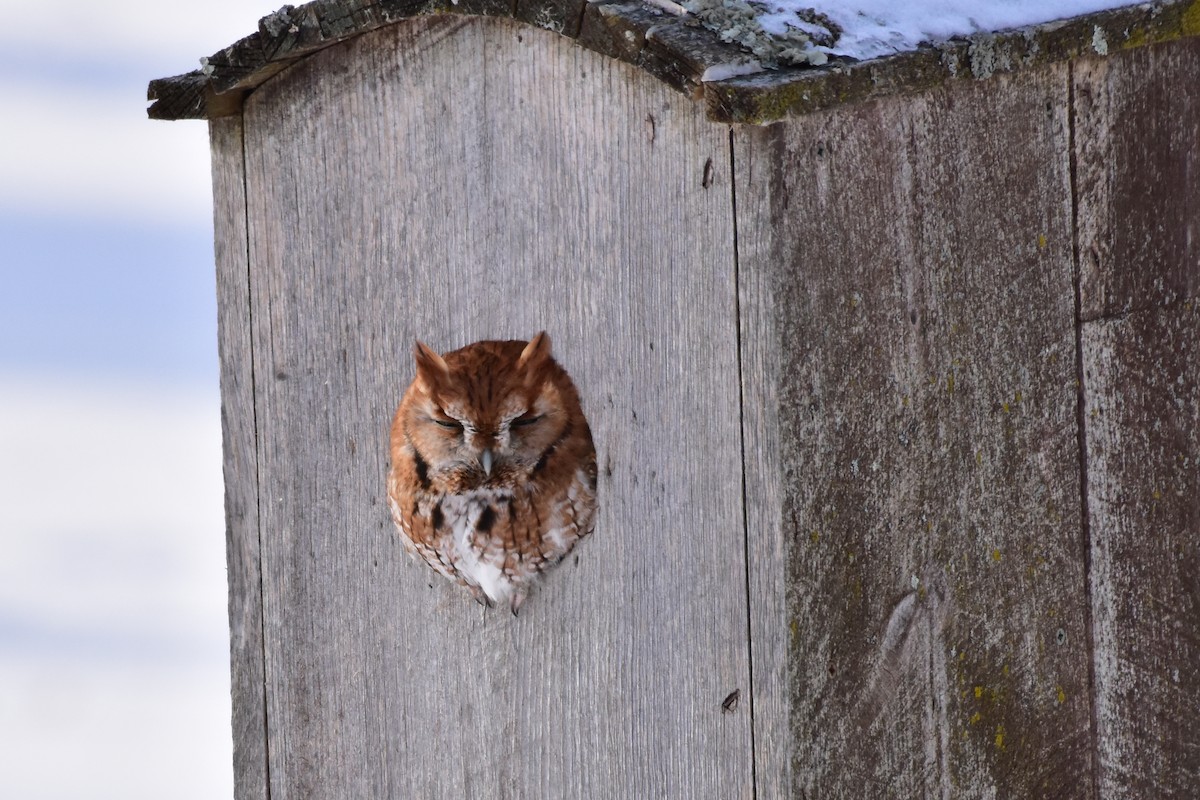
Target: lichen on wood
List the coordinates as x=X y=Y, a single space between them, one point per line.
x=698 y=63
x=737 y=22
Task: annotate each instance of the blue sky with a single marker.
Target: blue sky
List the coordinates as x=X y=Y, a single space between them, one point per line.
x=113 y=629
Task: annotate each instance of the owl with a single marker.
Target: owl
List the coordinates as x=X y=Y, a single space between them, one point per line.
x=493 y=471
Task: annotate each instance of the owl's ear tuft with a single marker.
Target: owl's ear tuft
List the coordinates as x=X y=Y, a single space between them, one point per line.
x=431 y=368
x=534 y=359
x=535 y=356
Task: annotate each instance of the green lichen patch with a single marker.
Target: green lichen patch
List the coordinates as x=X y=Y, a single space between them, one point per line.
x=737 y=22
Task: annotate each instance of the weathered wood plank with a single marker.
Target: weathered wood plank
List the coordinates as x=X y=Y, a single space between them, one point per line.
x=1142 y=384
x=1137 y=127
x=766 y=549
x=917 y=283
x=1139 y=243
x=181 y=97
x=240 y=447
x=618 y=30
x=456 y=179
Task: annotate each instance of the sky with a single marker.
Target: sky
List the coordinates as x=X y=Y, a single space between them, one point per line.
x=114 y=675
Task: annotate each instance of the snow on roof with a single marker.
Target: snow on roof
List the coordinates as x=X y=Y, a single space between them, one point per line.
x=810 y=31
x=750 y=61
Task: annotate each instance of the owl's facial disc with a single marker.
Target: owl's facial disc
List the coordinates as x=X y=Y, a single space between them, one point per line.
x=490 y=421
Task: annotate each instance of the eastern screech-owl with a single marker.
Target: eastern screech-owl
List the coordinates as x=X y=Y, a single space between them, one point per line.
x=493 y=476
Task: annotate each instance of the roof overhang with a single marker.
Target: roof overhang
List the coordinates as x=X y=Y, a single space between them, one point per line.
x=672 y=46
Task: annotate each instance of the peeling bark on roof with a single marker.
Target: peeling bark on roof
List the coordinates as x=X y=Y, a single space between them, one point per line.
x=675 y=49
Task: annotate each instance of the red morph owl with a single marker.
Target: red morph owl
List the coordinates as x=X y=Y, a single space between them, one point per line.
x=493 y=476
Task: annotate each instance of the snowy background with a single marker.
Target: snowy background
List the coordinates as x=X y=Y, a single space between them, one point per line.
x=114 y=674
x=114 y=677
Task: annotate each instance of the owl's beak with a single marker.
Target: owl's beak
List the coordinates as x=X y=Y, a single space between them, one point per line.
x=486 y=461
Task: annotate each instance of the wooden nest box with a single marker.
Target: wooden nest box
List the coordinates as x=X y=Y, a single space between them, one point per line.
x=895 y=400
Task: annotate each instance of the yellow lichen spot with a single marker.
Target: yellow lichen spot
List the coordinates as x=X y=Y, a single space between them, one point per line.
x=814 y=536
x=1190 y=24
x=1017 y=397
x=950 y=382
x=904 y=401
x=996 y=554
x=1005 y=407
x=1062 y=696
x=1041 y=241
x=1004 y=670
x=999 y=737
x=1156 y=494
x=978 y=692
x=978 y=456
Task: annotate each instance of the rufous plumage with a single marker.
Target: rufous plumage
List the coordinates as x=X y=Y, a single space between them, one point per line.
x=493 y=471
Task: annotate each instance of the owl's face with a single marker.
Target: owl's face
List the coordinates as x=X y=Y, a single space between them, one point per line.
x=485 y=415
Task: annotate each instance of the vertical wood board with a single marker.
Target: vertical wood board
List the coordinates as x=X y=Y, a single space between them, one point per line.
x=754 y=169
x=1142 y=381
x=1137 y=133
x=239 y=445
x=918 y=287
x=456 y=179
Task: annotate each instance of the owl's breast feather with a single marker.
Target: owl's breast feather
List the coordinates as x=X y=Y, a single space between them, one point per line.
x=462 y=513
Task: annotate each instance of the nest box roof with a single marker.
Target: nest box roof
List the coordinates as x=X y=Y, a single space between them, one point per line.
x=673 y=45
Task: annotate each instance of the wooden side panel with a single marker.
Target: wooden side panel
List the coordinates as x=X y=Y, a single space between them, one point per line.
x=1138 y=153
x=455 y=179
x=755 y=167
x=240 y=447
x=918 y=286
x=1143 y=446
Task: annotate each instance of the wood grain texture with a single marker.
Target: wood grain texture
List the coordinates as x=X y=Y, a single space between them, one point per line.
x=457 y=179
x=917 y=284
x=1142 y=380
x=1137 y=132
x=240 y=447
x=766 y=548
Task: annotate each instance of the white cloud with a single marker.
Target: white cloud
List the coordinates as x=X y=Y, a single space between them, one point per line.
x=113 y=628
x=80 y=730
x=76 y=152
x=75 y=138
x=131 y=28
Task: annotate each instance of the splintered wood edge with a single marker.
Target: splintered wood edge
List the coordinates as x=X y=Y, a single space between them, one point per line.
x=674 y=49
